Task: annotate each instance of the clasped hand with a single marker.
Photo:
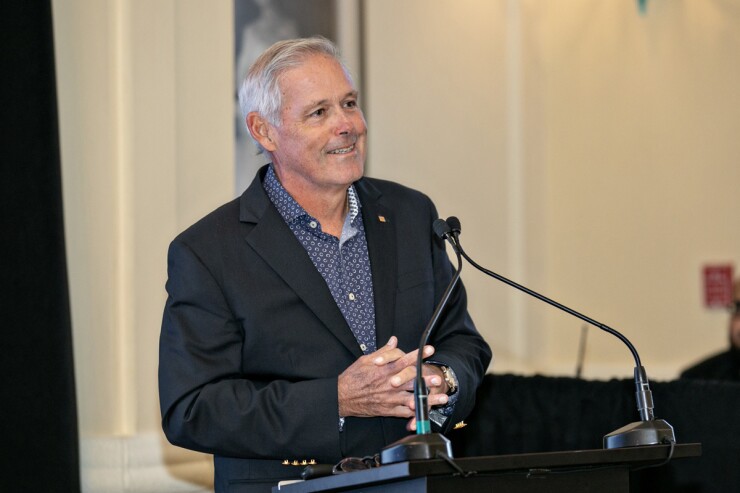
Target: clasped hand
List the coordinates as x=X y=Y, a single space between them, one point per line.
x=382 y=383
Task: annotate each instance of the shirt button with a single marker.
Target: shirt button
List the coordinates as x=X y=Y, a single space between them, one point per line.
x=313 y=224
x=363 y=347
x=351 y=296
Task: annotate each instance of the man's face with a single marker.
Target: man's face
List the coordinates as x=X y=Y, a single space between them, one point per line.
x=320 y=143
x=735 y=330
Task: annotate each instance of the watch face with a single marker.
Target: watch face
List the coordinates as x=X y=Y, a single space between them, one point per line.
x=449 y=380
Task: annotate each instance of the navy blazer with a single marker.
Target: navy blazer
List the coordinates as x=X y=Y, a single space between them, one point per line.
x=252 y=341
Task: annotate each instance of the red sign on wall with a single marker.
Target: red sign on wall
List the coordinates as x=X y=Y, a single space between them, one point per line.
x=718 y=286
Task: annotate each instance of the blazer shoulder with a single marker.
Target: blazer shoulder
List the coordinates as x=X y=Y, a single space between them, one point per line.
x=218 y=222
x=390 y=190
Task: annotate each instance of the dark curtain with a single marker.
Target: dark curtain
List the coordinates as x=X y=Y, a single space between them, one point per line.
x=516 y=414
x=38 y=416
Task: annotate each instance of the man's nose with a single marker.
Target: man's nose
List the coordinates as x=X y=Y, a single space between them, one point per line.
x=344 y=123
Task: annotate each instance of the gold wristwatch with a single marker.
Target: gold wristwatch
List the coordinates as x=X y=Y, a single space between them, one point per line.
x=450 y=379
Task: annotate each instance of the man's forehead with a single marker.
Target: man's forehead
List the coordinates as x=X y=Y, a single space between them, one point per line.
x=301 y=87
x=312 y=67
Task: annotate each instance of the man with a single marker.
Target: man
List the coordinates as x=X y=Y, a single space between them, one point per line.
x=294 y=312
x=725 y=365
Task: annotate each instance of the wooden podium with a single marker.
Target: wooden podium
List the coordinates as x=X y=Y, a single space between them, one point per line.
x=598 y=471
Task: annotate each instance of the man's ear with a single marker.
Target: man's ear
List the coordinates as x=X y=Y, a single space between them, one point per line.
x=260 y=128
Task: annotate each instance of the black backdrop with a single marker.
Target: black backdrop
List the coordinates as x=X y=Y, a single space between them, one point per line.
x=38 y=418
x=517 y=414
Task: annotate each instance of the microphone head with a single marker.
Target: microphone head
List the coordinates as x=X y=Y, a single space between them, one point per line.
x=454 y=224
x=441 y=228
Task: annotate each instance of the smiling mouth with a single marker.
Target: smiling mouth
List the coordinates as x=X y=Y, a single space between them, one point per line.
x=343 y=150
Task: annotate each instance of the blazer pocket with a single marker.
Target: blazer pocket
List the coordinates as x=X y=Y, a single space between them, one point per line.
x=414 y=278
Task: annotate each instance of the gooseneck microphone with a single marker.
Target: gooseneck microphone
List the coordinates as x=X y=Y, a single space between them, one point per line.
x=425 y=444
x=421 y=393
x=648 y=431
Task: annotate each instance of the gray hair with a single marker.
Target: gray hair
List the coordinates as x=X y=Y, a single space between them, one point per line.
x=260 y=92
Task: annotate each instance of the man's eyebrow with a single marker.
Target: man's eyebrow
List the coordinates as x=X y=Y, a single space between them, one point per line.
x=321 y=102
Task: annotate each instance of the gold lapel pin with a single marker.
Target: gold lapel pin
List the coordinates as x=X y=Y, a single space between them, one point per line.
x=382 y=219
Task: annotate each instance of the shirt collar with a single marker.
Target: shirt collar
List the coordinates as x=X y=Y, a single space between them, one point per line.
x=291 y=210
x=354 y=203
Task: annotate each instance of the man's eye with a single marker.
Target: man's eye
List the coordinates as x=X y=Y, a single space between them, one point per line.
x=319 y=112
x=351 y=104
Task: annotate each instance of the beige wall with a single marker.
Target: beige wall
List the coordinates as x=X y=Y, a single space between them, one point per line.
x=450 y=112
x=642 y=171
x=588 y=150
x=145 y=91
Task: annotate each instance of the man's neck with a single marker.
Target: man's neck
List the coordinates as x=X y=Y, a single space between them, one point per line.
x=330 y=211
x=328 y=205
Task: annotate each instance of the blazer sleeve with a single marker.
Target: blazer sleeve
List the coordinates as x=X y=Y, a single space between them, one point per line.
x=207 y=403
x=456 y=340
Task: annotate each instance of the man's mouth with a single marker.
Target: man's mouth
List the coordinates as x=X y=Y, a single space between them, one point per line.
x=343 y=150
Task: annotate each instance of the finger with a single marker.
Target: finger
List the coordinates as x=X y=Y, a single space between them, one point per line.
x=402 y=412
x=391 y=355
x=411 y=425
x=432 y=399
x=389 y=352
x=434 y=383
x=404 y=377
x=412 y=404
x=396 y=405
x=408 y=359
x=438 y=400
x=389 y=346
x=412 y=357
x=428 y=351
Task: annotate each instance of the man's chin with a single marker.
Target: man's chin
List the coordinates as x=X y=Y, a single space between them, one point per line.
x=352 y=168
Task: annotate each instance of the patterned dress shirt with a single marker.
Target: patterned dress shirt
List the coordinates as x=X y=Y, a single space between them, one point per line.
x=343 y=262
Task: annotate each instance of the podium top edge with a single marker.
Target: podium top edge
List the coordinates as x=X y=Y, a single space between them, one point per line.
x=569 y=459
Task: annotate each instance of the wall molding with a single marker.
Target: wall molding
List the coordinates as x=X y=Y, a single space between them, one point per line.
x=143 y=463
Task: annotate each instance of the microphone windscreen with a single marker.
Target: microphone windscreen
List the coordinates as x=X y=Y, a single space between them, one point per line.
x=441 y=228
x=454 y=224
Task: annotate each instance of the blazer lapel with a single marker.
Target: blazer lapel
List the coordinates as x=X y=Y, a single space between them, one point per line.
x=380 y=231
x=273 y=240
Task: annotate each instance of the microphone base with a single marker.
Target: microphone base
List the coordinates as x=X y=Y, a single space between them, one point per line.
x=416 y=447
x=653 y=432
